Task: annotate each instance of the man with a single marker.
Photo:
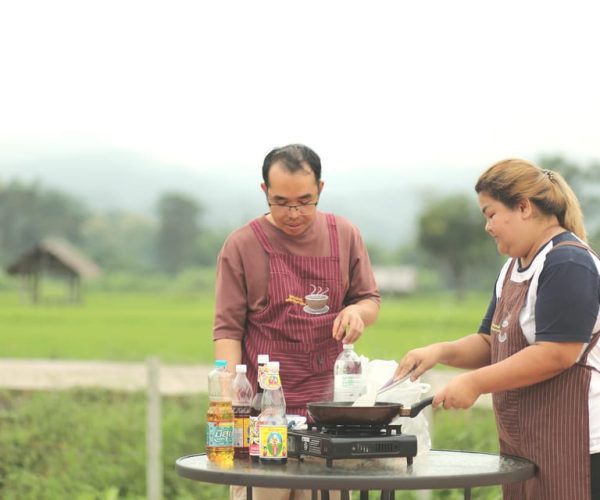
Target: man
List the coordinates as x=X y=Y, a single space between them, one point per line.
x=266 y=269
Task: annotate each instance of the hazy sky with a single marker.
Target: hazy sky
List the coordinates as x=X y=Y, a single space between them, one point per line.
x=395 y=84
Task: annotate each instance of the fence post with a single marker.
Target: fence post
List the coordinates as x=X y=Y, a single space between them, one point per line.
x=153 y=431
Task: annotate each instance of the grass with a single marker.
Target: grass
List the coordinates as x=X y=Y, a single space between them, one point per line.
x=90 y=445
x=178 y=329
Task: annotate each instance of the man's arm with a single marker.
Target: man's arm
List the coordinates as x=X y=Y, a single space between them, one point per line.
x=229 y=350
x=230 y=305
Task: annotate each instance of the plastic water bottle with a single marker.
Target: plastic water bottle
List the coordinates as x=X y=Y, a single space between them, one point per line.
x=347 y=375
x=242 y=399
x=219 y=417
x=272 y=422
x=255 y=409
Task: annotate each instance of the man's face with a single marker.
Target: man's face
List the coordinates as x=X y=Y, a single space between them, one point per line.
x=298 y=190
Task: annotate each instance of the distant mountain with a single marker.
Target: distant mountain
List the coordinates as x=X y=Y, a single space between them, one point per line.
x=383 y=204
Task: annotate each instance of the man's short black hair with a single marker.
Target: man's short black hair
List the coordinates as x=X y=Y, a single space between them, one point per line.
x=293 y=157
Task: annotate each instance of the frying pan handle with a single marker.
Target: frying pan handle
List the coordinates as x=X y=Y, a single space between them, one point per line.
x=415 y=409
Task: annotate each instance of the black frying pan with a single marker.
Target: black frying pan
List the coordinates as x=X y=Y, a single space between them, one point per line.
x=328 y=412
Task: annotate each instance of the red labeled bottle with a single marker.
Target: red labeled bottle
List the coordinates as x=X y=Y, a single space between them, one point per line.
x=242 y=399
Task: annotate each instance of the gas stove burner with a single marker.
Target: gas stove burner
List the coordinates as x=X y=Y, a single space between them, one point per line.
x=356 y=430
x=351 y=441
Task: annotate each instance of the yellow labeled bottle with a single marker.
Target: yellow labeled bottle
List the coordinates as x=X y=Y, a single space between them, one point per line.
x=219 y=417
x=272 y=420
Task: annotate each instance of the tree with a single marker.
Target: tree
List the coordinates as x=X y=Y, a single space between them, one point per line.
x=585 y=181
x=29 y=213
x=452 y=231
x=121 y=241
x=178 y=231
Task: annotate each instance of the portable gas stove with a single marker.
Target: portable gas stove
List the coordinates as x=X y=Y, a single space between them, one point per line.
x=351 y=441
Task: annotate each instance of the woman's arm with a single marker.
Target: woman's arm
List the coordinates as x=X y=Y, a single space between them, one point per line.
x=472 y=351
x=534 y=364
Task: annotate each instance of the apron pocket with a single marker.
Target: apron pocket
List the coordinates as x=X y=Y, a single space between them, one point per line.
x=306 y=371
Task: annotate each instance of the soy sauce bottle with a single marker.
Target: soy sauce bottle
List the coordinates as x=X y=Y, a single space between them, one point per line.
x=255 y=409
x=242 y=398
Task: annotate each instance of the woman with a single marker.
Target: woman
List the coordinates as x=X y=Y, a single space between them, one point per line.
x=537 y=349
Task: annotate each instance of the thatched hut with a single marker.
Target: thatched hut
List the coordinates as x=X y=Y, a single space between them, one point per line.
x=57 y=258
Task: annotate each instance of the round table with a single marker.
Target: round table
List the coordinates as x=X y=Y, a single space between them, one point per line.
x=436 y=469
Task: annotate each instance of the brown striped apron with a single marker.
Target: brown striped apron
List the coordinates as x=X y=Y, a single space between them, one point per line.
x=548 y=422
x=301 y=342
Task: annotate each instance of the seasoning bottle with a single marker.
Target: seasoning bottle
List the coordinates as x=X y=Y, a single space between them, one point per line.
x=219 y=417
x=272 y=422
x=347 y=375
x=255 y=409
x=242 y=399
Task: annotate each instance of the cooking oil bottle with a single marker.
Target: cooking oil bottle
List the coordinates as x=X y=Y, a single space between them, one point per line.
x=219 y=417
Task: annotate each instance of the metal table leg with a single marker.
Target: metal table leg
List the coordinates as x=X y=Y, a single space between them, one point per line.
x=344 y=495
x=314 y=495
x=248 y=492
x=364 y=495
x=324 y=494
x=467 y=493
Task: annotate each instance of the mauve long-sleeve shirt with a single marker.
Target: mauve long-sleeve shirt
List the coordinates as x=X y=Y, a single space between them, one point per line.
x=243 y=269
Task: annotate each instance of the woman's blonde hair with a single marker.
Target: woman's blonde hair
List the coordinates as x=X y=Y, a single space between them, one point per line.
x=510 y=181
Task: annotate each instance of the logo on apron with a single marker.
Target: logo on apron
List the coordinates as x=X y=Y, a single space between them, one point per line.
x=316 y=300
x=500 y=330
x=502 y=334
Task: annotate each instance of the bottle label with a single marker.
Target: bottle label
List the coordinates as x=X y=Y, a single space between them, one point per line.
x=347 y=387
x=270 y=381
x=219 y=434
x=273 y=441
x=240 y=432
x=253 y=436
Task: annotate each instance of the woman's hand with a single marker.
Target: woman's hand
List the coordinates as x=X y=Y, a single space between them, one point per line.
x=460 y=393
x=418 y=361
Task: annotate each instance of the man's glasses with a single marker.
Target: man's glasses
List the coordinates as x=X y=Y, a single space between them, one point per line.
x=302 y=209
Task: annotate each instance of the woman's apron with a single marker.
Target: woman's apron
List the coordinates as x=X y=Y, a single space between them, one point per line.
x=548 y=422
x=301 y=341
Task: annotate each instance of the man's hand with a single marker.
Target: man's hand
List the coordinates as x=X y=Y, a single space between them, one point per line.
x=349 y=325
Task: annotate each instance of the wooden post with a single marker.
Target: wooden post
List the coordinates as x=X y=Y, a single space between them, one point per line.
x=154 y=478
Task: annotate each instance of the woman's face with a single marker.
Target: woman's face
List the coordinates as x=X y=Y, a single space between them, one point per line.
x=505 y=225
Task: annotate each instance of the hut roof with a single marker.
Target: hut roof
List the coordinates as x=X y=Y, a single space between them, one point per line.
x=55 y=255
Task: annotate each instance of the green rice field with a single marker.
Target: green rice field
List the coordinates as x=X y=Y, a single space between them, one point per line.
x=177 y=329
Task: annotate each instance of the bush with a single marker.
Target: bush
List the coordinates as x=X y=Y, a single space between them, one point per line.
x=91 y=444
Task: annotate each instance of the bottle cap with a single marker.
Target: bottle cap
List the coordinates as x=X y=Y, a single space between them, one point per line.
x=273 y=366
x=240 y=368
x=263 y=359
x=219 y=363
x=348 y=346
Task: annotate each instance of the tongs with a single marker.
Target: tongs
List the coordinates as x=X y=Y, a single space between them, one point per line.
x=369 y=399
x=391 y=383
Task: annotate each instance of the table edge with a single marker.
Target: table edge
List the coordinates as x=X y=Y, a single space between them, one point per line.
x=216 y=476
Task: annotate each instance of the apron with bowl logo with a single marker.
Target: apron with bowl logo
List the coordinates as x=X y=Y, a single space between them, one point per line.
x=289 y=331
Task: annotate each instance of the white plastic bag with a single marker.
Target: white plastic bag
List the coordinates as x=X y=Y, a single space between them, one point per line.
x=407 y=393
